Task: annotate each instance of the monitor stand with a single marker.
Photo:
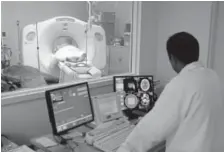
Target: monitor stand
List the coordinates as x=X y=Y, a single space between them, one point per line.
x=133 y=114
x=73 y=134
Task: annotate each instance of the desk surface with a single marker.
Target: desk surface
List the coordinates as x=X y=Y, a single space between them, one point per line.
x=82 y=146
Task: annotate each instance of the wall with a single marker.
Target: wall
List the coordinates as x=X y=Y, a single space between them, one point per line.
x=193 y=17
x=148 y=47
x=123 y=15
x=123 y=10
x=30 y=12
x=217 y=51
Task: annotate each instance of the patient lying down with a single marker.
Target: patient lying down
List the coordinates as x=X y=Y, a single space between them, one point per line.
x=74 y=63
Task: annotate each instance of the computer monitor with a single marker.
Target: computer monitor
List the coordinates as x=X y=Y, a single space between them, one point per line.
x=106 y=108
x=136 y=92
x=69 y=107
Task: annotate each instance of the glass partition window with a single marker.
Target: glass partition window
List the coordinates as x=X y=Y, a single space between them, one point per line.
x=45 y=43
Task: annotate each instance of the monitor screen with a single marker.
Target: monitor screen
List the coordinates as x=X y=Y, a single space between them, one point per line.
x=133 y=83
x=108 y=105
x=69 y=107
x=136 y=92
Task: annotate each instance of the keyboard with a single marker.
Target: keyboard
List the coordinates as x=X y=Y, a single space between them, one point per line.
x=99 y=133
x=112 y=141
x=117 y=125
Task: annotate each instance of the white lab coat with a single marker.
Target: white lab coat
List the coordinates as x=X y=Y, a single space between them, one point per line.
x=189 y=115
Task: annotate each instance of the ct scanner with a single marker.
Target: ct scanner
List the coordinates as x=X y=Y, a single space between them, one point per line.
x=53 y=44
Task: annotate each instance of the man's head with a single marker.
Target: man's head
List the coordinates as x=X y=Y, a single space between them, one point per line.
x=182 y=49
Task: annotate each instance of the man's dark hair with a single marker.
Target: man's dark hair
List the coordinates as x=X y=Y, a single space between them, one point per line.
x=184 y=47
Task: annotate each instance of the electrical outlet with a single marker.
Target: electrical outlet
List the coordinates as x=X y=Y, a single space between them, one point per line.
x=3 y=34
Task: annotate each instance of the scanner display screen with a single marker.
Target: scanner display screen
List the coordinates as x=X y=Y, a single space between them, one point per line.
x=71 y=107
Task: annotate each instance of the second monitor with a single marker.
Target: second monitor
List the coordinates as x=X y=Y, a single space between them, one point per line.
x=136 y=92
x=107 y=108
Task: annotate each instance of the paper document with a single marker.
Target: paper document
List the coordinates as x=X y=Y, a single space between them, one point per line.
x=46 y=142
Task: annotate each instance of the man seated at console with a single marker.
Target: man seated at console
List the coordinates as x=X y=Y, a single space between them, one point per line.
x=189 y=113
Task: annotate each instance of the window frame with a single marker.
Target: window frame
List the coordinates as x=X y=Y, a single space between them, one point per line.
x=33 y=93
